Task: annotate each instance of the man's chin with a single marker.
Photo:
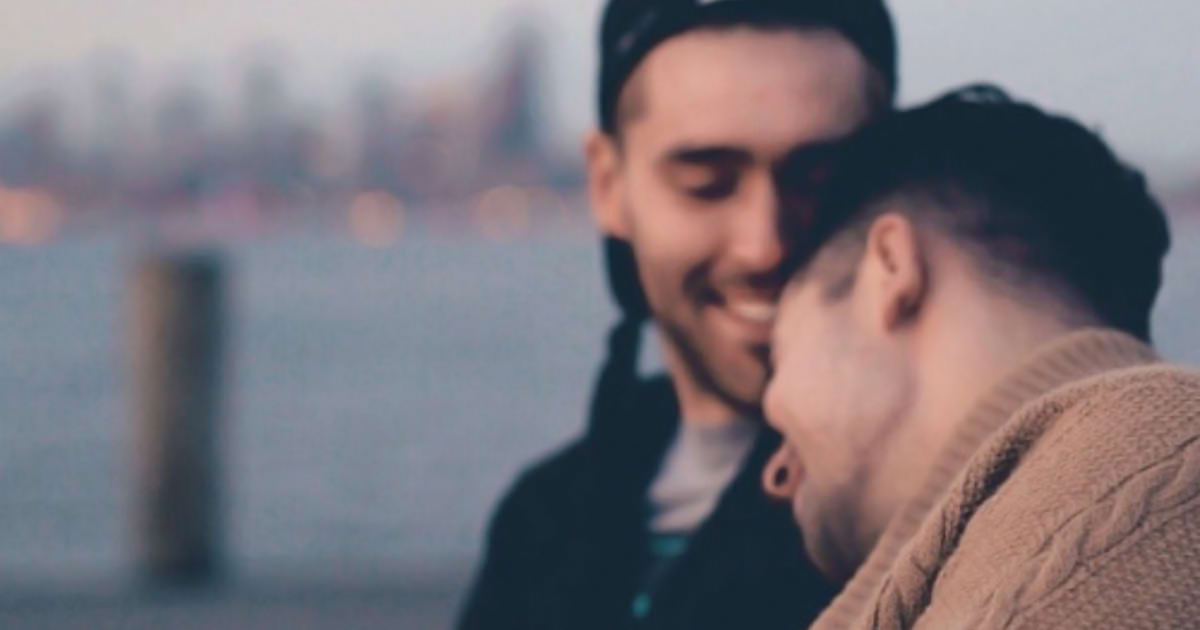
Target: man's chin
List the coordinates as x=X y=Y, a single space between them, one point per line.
x=746 y=399
x=748 y=407
x=827 y=539
x=824 y=556
x=723 y=365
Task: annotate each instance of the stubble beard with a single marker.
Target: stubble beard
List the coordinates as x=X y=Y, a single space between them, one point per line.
x=698 y=366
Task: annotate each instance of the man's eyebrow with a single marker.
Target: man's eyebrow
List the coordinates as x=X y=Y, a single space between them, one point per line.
x=708 y=155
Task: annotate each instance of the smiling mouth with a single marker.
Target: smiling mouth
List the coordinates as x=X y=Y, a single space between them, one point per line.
x=755 y=312
x=745 y=307
x=748 y=316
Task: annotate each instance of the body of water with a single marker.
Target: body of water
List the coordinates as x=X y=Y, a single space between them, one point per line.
x=379 y=400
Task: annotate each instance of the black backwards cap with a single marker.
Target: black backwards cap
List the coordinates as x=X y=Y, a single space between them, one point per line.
x=632 y=28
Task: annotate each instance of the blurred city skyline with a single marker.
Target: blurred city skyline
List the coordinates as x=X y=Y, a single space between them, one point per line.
x=1132 y=69
x=475 y=151
x=258 y=109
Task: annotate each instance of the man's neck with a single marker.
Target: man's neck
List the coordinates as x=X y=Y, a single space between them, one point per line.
x=971 y=346
x=976 y=350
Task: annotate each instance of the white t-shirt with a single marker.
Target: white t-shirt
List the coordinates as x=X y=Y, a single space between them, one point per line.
x=699 y=465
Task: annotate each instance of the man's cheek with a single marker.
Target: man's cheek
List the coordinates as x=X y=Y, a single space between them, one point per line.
x=774 y=405
x=793 y=406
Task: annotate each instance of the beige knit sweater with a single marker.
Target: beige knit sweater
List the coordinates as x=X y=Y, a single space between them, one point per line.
x=1069 y=498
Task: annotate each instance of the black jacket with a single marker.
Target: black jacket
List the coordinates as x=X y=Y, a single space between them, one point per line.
x=568 y=546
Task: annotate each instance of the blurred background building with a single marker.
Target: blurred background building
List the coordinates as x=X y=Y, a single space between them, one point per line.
x=416 y=306
x=472 y=152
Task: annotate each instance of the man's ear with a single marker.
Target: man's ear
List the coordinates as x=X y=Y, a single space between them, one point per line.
x=605 y=184
x=894 y=270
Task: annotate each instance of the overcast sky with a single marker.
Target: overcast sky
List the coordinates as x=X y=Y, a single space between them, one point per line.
x=1129 y=67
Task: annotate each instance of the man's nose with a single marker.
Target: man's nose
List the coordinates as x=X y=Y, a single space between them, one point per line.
x=757 y=243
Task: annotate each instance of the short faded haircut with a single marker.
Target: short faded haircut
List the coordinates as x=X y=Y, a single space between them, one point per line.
x=1037 y=197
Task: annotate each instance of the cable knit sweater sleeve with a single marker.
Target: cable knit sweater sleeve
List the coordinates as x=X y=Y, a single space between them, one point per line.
x=1093 y=517
x=1148 y=580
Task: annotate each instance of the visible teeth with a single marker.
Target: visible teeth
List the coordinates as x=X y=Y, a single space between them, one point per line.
x=758 y=312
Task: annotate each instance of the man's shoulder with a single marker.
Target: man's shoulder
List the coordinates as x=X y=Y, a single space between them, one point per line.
x=1129 y=415
x=1082 y=442
x=1126 y=444
x=1105 y=437
x=1118 y=463
x=559 y=480
x=1159 y=379
x=546 y=483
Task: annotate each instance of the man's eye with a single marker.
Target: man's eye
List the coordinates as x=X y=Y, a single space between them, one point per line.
x=713 y=186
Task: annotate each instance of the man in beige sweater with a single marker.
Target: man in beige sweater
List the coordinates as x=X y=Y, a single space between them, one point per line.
x=977 y=433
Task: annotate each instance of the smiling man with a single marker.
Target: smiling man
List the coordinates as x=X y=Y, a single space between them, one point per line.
x=655 y=518
x=977 y=433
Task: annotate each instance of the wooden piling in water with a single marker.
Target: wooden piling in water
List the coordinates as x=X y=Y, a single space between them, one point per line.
x=177 y=350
